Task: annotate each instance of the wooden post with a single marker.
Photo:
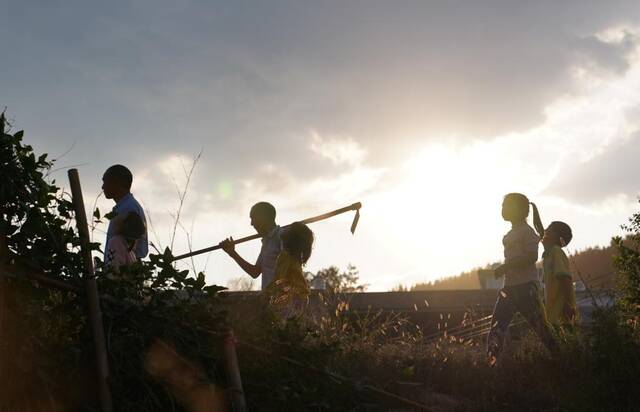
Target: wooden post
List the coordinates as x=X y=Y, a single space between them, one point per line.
x=93 y=299
x=233 y=373
x=3 y=314
x=4 y=257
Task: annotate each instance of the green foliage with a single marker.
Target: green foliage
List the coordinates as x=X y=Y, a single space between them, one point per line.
x=335 y=350
x=35 y=214
x=153 y=301
x=337 y=281
x=149 y=302
x=596 y=369
x=627 y=263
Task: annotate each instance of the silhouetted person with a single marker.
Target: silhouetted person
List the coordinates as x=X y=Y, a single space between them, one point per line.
x=263 y=219
x=560 y=296
x=521 y=291
x=116 y=184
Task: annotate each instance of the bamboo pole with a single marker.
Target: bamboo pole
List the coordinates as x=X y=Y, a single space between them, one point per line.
x=93 y=299
x=238 y=401
x=355 y=206
x=3 y=310
x=4 y=257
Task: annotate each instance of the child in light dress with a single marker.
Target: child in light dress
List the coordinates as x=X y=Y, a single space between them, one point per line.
x=521 y=292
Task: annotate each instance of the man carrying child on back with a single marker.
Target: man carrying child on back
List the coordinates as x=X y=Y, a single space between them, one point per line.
x=116 y=184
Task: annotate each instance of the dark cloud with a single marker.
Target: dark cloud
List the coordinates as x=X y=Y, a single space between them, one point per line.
x=614 y=172
x=609 y=57
x=246 y=82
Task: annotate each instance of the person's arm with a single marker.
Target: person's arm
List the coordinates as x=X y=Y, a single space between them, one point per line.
x=517 y=263
x=566 y=289
x=562 y=272
x=251 y=269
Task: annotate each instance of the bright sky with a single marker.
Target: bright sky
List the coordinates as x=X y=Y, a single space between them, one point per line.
x=427 y=113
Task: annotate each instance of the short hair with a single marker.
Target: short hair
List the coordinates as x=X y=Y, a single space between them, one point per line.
x=265 y=209
x=133 y=227
x=563 y=230
x=297 y=240
x=520 y=201
x=121 y=174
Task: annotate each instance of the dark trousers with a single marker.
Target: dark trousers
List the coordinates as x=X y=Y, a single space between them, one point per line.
x=526 y=299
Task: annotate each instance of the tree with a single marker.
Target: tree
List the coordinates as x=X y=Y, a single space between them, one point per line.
x=627 y=263
x=337 y=281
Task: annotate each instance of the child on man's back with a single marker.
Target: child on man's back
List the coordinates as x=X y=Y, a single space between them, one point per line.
x=127 y=229
x=289 y=290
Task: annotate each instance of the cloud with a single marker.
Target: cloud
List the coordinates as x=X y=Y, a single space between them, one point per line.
x=234 y=80
x=338 y=149
x=610 y=174
x=607 y=51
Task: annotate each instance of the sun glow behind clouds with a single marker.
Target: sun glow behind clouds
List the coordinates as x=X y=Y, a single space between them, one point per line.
x=448 y=196
x=444 y=215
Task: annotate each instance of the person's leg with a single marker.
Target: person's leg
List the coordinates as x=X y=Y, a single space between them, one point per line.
x=529 y=303
x=500 y=320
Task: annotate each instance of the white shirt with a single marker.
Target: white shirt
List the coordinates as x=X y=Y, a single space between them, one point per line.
x=119 y=254
x=271 y=247
x=124 y=206
x=521 y=240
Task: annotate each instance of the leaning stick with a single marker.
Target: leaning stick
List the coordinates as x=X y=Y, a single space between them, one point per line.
x=93 y=299
x=355 y=206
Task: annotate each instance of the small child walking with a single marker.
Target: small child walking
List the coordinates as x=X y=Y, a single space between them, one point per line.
x=521 y=291
x=560 y=296
x=289 y=291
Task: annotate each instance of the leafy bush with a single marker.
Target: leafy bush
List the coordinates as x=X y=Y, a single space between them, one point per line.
x=322 y=360
x=148 y=304
x=627 y=263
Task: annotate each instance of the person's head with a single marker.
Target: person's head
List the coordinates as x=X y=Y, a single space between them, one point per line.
x=557 y=234
x=297 y=240
x=116 y=182
x=263 y=217
x=129 y=226
x=515 y=207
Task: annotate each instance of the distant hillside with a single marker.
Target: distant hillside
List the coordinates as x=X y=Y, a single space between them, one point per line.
x=463 y=281
x=594 y=264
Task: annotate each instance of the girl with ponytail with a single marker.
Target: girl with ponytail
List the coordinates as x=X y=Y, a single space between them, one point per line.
x=521 y=291
x=537 y=223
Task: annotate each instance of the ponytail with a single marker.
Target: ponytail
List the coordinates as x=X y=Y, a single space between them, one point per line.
x=537 y=222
